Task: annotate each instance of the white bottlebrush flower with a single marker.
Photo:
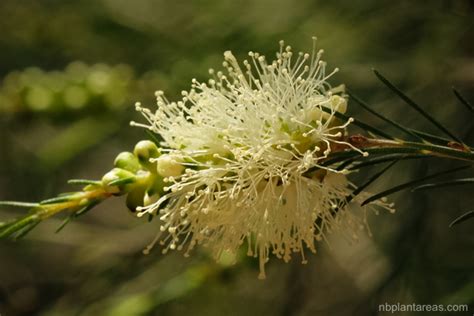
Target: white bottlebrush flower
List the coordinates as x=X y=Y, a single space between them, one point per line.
x=246 y=152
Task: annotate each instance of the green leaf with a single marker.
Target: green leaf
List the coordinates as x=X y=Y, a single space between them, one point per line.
x=442 y=151
x=64 y=223
x=383 y=118
x=463 y=100
x=369 y=182
x=18 y=225
x=462 y=218
x=415 y=106
x=122 y=181
x=84 y=182
x=58 y=199
x=432 y=138
x=76 y=214
x=350 y=154
x=346 y=163
x=25 y=230
x=386 y=158
x=444 y=184
x=18 y=204
x=341 y=157
x=86 y=208
x=411 y=183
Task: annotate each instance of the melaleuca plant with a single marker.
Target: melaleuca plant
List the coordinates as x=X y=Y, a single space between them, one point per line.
x=260 y=157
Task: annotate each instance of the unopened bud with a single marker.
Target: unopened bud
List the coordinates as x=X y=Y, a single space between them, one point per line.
x=339 y=103
x=135 y=199
x=118 y=181
x=169 y=166
x=128 y=161
x=145 y=149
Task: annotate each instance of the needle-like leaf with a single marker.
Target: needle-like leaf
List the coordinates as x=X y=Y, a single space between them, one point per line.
x=18 y=204
x=83 y=182
x=122 y=181
x=64 y=223
x=383 y=159
x=432 y=138
x=17 y=226
x=58 y=199
x=415 y=106
x=361 y=188
x=383 y=118
x=25 y=230
x=411 y=183
x=458 y=95
x=462 y=218
x=444 y=184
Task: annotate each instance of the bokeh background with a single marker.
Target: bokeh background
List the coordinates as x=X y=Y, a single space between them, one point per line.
x=70 y=72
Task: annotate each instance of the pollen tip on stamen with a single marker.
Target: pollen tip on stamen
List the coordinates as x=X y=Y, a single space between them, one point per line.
x=228 y=55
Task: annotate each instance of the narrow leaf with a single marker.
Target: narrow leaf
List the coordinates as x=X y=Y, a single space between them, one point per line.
x=445 y=151
x=347 y=162
x=17 y=225
x=432 y=138
x=59 y=199
x=341 y=157
x=86 y=208
x=64 y=223
x=462 y=218
x=18 y=204
x=444 y=184
x=76 y=214
x=122 y=181
x=415 y=106
x=383 y=118
x=468 y=105
x=411 y=183
x=369 y=182
x=25 y=230
x=383 y=159
x=83 y=182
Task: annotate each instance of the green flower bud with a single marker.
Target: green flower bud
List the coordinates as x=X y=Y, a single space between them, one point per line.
x=145 y=149
x=118 y=181
x=135 y=198
x=128 y=161
x=140 y=196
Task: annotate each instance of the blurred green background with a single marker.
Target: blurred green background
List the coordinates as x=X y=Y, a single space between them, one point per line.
x=70 y=73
